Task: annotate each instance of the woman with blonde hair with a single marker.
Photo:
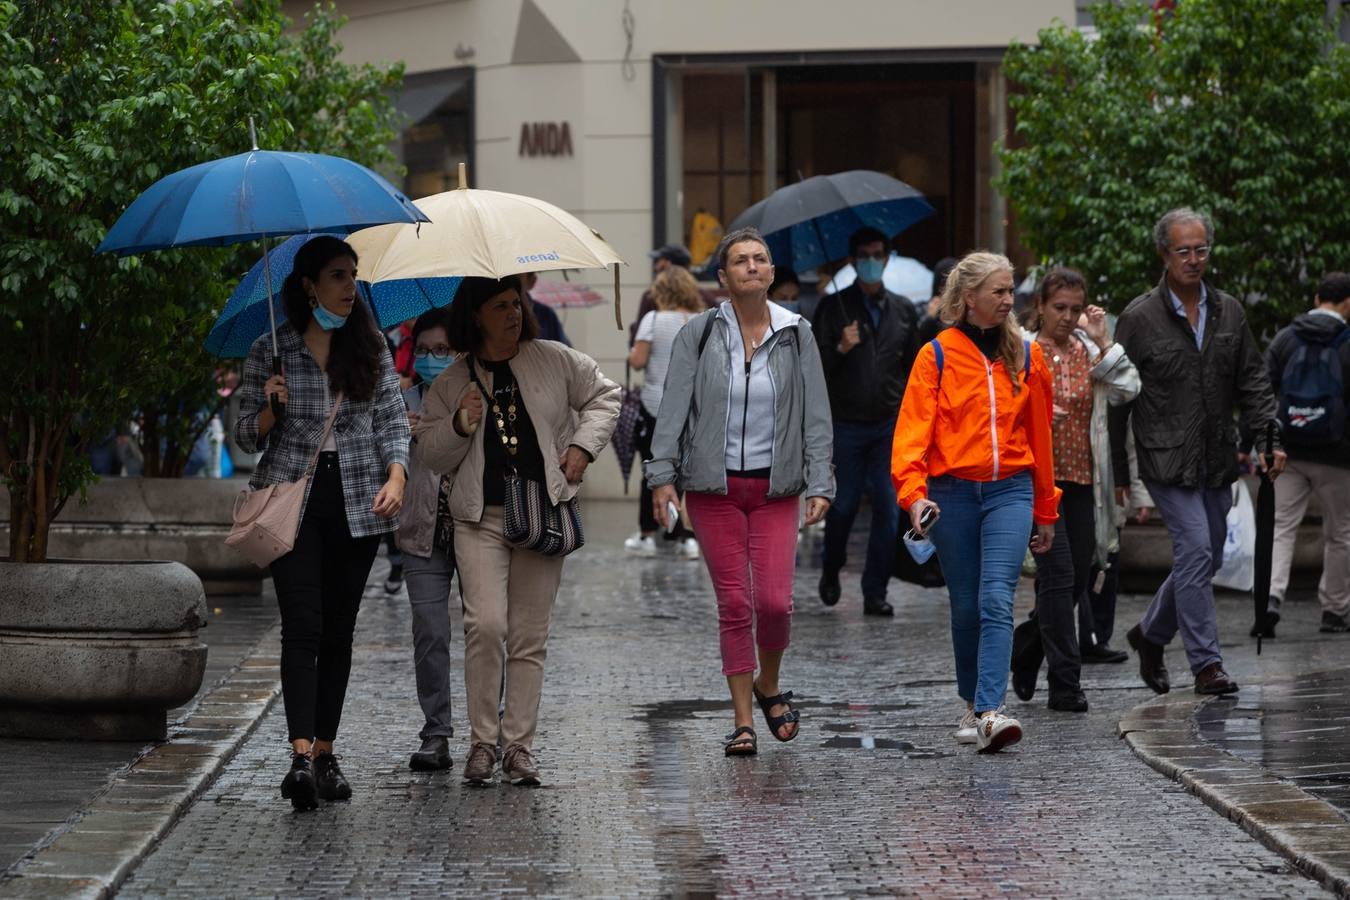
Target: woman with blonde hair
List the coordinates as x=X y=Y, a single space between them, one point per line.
x=677 y=301
x=973 y=464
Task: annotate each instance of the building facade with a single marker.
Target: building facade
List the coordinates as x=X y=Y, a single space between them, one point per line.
x=636 y=115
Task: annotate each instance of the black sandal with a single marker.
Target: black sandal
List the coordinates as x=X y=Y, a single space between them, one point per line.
x=791 y=717
x=741 y=742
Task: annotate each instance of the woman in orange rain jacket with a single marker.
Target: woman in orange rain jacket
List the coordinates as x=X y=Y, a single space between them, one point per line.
x=973 y=464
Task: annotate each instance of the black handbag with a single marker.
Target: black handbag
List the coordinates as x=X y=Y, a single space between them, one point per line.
x=529 y=519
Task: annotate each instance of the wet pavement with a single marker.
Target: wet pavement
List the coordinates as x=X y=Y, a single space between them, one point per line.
x=873 y=797
x=44 y=784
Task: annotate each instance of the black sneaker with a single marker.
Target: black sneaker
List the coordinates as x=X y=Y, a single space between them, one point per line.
x=332 y=784
x=299 y=785
x=394 y=583
x=829 y=588
x=1334 y=624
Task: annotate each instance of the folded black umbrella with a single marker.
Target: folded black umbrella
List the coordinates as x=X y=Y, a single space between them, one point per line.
x=1265 y=543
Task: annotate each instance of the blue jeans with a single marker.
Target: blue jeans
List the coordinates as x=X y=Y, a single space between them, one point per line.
x=862 y=462
x=981 y=538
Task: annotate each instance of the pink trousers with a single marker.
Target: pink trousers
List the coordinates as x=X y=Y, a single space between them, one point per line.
x=750 y=545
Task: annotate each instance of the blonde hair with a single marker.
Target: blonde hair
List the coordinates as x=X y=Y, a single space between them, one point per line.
x=967 y=277
x=676 y=289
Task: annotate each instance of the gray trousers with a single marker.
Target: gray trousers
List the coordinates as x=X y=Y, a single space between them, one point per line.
x=428 y=583
x=1197 y=520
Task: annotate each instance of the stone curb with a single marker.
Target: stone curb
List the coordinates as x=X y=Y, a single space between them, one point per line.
x=105 y=842
x=1309 y=832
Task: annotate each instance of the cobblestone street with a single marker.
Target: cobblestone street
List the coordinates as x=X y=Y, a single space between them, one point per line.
x=873 y=798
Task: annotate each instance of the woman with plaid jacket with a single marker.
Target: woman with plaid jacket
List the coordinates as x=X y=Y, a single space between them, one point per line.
x=332 y=356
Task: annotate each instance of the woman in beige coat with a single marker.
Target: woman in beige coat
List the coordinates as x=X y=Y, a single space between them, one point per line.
x=549 y=412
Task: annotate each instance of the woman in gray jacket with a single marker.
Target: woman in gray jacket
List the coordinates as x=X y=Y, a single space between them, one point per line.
x=548 y=413
x=744 y=429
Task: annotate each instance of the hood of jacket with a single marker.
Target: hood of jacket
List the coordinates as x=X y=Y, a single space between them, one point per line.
x=1317 y=328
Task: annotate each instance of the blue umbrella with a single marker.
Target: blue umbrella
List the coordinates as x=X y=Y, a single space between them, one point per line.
x=246 y=317
x=258 y=194
x=807 y=224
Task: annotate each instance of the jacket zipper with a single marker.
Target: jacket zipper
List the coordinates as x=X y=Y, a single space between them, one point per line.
x=745 y=412
x=993 y=413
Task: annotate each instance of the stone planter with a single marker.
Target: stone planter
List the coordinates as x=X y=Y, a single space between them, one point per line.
x=97 y=650
x=182 y=519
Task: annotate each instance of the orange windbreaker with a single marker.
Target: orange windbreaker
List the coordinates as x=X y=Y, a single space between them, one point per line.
x=972 y=426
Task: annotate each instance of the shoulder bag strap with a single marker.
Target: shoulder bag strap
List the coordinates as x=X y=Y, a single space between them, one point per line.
x=327 y=429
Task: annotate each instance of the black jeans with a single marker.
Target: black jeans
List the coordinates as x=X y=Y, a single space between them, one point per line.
x=1061 y=583
x=319 y=586
x=642 y=439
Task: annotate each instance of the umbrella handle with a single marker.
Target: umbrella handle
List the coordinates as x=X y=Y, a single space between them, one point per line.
x=278 y=408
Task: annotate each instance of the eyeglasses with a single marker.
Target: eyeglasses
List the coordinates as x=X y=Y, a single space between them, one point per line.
x=1200 y=253
x=880 y=254
x=440 y=351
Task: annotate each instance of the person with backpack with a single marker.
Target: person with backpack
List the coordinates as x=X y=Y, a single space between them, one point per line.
x=1309 y=364
x=743 y=431
x=973 y=463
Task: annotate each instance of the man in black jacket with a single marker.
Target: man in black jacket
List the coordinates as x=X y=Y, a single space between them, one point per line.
x=1197 y=363
x=1315 y=352
x=868 y=338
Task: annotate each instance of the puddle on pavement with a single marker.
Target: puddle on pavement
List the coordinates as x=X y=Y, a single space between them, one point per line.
x=872 y=742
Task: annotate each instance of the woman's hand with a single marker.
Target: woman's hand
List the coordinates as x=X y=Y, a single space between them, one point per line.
x=660 y=497
x=1093 y=323
x=1057 y=415
x=276 y=385
x=1044 y=539
x=390 y=498
x=574 y=462
x=816 y=508
x=470 y=412
x=413 y=419
x=916 y=513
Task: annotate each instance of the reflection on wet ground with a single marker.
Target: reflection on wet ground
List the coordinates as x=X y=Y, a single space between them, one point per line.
x=1297 y=729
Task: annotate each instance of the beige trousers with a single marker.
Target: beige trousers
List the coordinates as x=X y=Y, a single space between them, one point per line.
x=1331 y=484
x=508 y=599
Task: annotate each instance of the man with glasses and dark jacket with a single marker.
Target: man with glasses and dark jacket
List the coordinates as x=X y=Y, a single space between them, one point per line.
x=868 y=339
x=1198 y=364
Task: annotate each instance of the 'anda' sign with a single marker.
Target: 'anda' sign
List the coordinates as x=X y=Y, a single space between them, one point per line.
x=545 y=139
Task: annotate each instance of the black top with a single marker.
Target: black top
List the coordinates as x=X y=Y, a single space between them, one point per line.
x=529 y=460
x=987 y=339
x=867 y=383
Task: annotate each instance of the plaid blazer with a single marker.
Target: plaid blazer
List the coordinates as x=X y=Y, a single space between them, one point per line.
x=371 y=436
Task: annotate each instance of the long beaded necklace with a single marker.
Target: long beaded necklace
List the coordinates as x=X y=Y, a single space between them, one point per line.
x=510 y=443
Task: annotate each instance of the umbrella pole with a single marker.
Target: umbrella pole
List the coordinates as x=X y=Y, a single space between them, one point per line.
x=278 y=408
x=618 y=315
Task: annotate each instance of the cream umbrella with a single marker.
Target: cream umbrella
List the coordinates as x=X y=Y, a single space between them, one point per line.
x=485 y=233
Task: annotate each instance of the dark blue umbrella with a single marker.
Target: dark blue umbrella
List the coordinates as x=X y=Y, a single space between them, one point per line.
x=246 y=317
x=260 y=194
x=808 y=224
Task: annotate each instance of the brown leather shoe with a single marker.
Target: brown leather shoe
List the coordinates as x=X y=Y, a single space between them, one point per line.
x=478 y=768
x=1212 y=679
x=1151 y=667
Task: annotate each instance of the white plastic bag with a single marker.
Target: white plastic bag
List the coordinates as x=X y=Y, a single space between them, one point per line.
x=1239 y=547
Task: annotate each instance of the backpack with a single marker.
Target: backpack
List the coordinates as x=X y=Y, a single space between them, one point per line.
x=1312 y=394
x=1026 y=359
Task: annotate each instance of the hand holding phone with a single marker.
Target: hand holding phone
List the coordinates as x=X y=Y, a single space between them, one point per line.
x=672 y=516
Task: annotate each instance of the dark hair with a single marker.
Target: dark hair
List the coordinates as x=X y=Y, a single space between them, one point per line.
x=358 y=348
x=940 y=272
x=1057 y=279
x=432 y=318
x=784 y=275
x=740 y=235
x=464 y=334
x=1334 y=287
x=864 y=235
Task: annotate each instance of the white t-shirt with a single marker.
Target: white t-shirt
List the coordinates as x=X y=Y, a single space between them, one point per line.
x=659 y=329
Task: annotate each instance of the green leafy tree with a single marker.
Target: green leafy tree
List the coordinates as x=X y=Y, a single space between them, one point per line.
x=99 y=100
x=1235 y=107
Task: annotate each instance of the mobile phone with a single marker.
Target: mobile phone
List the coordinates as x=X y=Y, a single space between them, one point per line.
x=672 y=516
x=927 y=517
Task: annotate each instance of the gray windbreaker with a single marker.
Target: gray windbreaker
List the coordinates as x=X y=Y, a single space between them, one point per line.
x=690 y=438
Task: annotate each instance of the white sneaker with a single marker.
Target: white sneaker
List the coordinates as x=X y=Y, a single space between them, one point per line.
x=642 y=546
x=689 y=548
x=995 y=731
x=965 y=728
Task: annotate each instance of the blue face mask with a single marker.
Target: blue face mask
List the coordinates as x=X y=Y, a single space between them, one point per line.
x=327 y=320
x=429 y=366
x=869 y=270
x=921 y=549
